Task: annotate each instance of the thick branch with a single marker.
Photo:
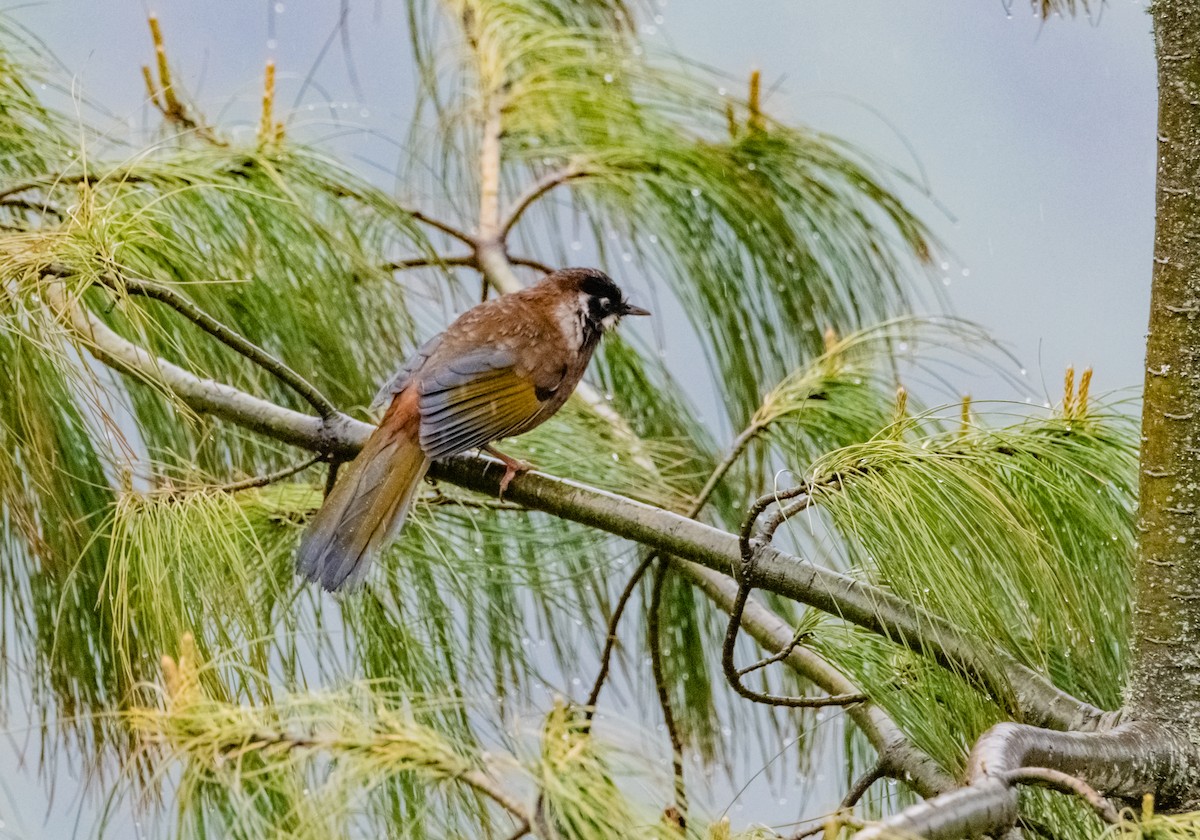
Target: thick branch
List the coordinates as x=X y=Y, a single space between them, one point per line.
x=1128 y=761
x=1033 y=697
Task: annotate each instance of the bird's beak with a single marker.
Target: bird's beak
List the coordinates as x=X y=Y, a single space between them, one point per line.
x=630 y=309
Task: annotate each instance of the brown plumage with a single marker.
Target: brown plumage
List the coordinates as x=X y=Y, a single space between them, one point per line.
x=499 y=370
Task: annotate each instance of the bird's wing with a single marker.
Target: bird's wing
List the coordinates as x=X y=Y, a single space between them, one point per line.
x=401 y=378
x=475 y=398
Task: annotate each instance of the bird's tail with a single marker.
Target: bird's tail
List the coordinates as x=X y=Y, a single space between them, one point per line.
x=369 y=502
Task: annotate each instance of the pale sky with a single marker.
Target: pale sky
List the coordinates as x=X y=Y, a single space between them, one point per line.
x=1037 y=139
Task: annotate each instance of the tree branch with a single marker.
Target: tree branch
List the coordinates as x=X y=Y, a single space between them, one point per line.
x=654 y=640
x=529 y=263
x=468 y=260
x=610 y=636
x=536 y=190
x=223 y=334
x=263 y=480
x=902 y=759
x=483 y=783
x=444 y=227
x=427 y=262
x=1127 y=761
x=338 y=435
x=861 y=785
x=1065 y=783
x=1032 y=696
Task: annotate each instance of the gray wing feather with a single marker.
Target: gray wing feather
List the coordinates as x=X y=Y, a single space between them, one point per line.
x=397 y=382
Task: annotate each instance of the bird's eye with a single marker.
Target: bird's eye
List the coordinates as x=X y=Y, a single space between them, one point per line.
x=604 y=302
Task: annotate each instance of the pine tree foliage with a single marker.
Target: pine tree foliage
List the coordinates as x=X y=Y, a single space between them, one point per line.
x=147 y=589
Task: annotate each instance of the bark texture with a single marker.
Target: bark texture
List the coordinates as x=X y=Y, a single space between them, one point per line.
x=1165 y=681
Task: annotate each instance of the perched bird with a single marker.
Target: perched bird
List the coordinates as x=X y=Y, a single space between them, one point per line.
x=502 y=368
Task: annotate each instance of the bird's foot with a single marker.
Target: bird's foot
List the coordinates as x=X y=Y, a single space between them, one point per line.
x=512 y=467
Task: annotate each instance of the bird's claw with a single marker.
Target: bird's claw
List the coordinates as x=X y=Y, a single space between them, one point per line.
x=512 y=468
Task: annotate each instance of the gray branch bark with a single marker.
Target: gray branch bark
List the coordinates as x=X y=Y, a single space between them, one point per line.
x=1127 y=761
x=1029 y=695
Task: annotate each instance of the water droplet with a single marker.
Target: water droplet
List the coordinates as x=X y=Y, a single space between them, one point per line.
x=1024 y=372
x=576 y=245
x=751 y=166
x=966 y=272
x=696 y=192
x=608 y=77
x=279 y=8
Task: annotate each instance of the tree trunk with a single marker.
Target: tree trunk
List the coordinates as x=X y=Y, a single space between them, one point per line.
x=1165 y=680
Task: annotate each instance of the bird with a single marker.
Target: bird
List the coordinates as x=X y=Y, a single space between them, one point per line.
x=500 y=369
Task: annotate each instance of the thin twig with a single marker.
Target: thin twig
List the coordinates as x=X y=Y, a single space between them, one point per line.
x=780 y=655
x=862 y=784
x=654 y=640
x=745 y=581
x=467 y=260
x=1065 y=783
x=530 y=263
x=822 y=824
x=444 y=227
x=915 y=767
x=536 y=190
x=610 y=639
x=736 y=449
x=163 y=294
x=484 y=784
x=745 y=585
x=269 y=478
x=522 y=829
x=426 y=262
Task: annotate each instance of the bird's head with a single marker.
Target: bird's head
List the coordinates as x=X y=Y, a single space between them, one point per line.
x=597 y=302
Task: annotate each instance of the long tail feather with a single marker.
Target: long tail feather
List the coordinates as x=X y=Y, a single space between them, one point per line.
x=368 y=504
